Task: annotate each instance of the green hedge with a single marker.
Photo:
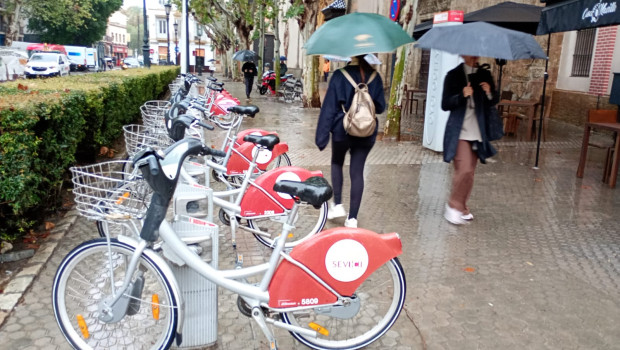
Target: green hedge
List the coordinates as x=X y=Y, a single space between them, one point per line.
x=44 y=123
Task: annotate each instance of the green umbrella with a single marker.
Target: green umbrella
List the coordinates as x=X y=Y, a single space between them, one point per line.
x=357 y=34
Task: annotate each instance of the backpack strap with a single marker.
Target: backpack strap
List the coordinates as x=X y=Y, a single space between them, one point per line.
x=350 y=79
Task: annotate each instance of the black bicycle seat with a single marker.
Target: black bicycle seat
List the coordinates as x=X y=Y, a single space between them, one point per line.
x=249 y=110
x=315 y=190
x=268 y=141
x=212 y=78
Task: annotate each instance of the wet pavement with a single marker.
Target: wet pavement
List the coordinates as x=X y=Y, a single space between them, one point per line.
x=538 y=268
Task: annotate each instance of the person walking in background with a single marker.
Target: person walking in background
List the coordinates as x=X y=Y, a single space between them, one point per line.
x=468 y=94
x=249 y=71
x=326 y=68
x=338 y=98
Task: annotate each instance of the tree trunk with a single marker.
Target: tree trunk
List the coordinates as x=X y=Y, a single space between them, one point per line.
x=307 y=25
x=261 y=44
x=276 y=45
x=12 y=23
x=391 y=130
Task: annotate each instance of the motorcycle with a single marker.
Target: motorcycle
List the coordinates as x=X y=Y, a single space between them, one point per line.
x=268 y=82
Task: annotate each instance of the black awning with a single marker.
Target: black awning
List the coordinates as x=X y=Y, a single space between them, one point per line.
x=508 y=14
x=335 y=9
x=577 y=14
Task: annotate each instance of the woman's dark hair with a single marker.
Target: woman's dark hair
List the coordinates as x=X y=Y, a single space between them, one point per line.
x=364 y=64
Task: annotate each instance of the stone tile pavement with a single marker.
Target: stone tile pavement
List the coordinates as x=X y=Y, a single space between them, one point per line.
x=539 y=268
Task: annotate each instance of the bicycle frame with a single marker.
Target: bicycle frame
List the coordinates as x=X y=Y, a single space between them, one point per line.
x=277 y=289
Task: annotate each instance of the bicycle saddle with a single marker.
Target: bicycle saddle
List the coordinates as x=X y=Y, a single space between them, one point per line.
x=268 y=141
x=212 y=78
x=218 y=88
x=249 y=110
x=315 y=190
x=218 y=84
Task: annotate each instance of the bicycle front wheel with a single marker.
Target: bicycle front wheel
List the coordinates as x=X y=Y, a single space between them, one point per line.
x=88 y=275
x=381 y=298
x=309 y=221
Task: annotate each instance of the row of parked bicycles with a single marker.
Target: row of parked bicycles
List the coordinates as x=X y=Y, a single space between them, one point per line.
x=150 y=278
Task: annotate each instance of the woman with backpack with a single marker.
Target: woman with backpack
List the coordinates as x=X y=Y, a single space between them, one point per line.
x=338 y=100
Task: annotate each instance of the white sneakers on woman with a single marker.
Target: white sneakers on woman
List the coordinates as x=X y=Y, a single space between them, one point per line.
x=456 y=217
x=336 y=211
x=350 y=223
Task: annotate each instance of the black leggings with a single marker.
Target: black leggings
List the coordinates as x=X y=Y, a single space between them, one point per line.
x=359 y=148
x=249 y=81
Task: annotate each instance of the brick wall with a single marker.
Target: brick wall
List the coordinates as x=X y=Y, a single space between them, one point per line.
x=601 y=63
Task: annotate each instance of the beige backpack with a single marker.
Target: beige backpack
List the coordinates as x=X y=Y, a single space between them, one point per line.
x=360 y=119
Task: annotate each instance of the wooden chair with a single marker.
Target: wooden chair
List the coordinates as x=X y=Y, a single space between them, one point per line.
x=547 y=112
x=536 y=118
x=511 y=122
x=602 y=142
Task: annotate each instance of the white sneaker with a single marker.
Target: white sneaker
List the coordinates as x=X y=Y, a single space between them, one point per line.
x=454 y=216
x=336 y=211
x=467 y=217
x=350 y=223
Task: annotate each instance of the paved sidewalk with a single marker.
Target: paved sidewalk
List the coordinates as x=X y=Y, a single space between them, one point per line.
x=539 y=267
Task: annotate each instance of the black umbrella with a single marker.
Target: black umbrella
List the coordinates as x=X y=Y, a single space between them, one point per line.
x=245 y=55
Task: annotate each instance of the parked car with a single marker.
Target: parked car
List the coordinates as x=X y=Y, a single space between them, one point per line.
x=131 y=62
x=45 y=64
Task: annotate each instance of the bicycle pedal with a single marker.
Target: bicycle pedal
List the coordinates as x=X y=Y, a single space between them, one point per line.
x=239 y=261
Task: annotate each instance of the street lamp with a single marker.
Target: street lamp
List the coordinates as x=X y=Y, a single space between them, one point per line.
x=176 y=42
x=168 y=6
x=199 y=58
x=146 y=50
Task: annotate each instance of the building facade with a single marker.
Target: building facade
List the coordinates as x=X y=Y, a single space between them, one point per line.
x=116 y=37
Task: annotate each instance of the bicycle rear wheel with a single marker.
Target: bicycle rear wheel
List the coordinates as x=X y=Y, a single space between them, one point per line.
x=309 y=222
x=83 y=281
x=381 y=298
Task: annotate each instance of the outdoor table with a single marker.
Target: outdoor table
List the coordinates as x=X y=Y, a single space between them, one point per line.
x=529 y=105
x=615 y=127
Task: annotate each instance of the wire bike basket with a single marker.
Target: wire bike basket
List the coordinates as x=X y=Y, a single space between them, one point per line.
x=153 y=114
x=140 y=137
x=106 y=192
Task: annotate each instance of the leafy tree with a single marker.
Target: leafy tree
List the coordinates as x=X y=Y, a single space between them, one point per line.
x=72 y=22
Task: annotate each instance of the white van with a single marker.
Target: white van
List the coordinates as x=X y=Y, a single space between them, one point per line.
x=92 y=61
x=77 y=56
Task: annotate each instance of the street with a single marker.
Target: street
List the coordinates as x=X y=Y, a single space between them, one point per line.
x=538 y=268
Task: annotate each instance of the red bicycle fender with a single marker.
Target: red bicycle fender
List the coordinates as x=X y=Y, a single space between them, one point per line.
x=255 y=202
x=342 y=257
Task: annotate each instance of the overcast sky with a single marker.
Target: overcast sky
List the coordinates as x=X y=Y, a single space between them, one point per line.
x=130 y=3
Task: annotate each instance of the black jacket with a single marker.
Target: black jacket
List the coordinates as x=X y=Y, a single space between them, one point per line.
x=454 y=101
x=340 y=94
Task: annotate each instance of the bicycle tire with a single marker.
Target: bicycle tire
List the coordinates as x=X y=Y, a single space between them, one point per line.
x=310 y=221
x=355 y=333
x=282 y=160
x=82 y=281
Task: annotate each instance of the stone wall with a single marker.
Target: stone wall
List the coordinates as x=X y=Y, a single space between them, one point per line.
x=572 y=107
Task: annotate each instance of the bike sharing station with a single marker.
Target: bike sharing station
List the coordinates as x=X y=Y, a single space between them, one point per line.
x=441 y=63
